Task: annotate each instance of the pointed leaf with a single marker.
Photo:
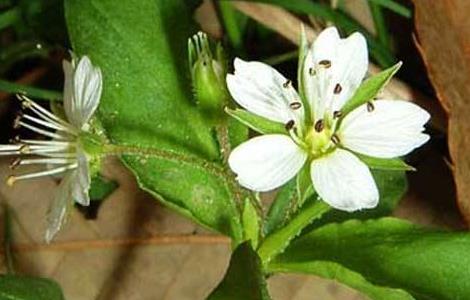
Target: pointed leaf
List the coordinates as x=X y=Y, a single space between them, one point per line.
x=281 y=206
x=427 y=263
x=251 y=223
x=29 y=288
x=244 y=278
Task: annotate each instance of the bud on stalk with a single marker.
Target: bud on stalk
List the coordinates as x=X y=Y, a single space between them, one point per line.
x=208 y=77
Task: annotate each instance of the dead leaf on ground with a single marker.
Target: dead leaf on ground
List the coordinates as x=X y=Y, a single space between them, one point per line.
x=444 y=40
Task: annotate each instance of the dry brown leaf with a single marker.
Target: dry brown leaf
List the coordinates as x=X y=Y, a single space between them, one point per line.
x=288 y=26
x=444 y=39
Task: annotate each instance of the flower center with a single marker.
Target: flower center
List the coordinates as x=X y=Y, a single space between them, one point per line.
x=320 y=139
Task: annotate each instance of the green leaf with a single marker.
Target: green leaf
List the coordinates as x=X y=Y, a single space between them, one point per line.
x=393 y=164
x=279 y=210
x=257 y=123
x=101 y=188
x=394 y=6
x=251 y=223
x=337 y=272
x=370 y=88
x=29 y=288
x=277 y=241
x=146 y=103
x=427 y=263
x=392 y=187
x=244 y=278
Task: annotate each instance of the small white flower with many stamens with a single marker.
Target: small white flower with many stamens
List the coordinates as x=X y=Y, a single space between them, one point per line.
x=321 y=135
x=63 y=150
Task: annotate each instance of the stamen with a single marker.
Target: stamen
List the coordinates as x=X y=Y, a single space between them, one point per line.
x=42 y=131
x=17 y=121
x=12 y=179
x=15 y=140
x=15 y=163
x=9 y=148
x=319 y=125
x=295 y=105
x=25 y=149
x=290 y=125
x=42 y=112
x=58 y=154
x=337 y=114
x=325 y=63
x=335 y=139
x=312 y=72
x=286 y=84
x=337 y=89
x=370 y=106
x=46 y=143
x=52 y=125
x=54 y=161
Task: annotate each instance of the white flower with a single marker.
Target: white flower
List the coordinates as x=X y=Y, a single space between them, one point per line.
x=62 y=152
x=334 y=68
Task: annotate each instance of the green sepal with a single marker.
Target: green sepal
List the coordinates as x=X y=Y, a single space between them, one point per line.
x=257 y=123
x=392 y=164
x=370 y=88
x=244 y=278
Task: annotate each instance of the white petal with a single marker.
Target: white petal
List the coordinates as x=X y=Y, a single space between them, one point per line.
x=68 y=87
x=344 y=182
x=60 y=207
x=81 y=185
x=266 y=162
x=394 y=128
x=262 y=90
x=87 y=87
x=349 y=61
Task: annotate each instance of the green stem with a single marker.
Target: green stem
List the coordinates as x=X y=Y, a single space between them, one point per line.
x=15 y=88
x=223 y=140
x=279 y=59
x=9 y=17
x=8 y=240
x=231 y=25
x=276 y=242
x=380 y=25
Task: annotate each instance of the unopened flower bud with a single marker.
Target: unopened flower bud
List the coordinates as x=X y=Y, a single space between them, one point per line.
x=208 y=76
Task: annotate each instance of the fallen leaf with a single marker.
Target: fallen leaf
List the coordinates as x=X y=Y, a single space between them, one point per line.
x=444 y=39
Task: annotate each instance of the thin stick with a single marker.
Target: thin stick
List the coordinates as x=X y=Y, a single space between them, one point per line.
x=160 y=240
